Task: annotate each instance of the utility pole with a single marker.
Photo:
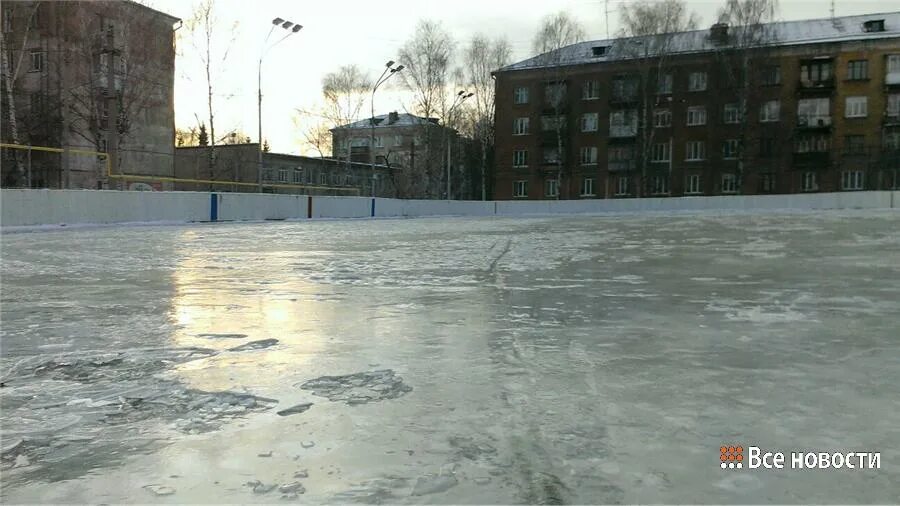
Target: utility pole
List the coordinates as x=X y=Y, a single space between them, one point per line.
x=112 y=120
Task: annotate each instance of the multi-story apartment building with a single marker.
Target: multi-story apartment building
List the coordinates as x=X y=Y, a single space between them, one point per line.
x=87 y=76
x=809 y=106
x=416 y=146
x=237 y=169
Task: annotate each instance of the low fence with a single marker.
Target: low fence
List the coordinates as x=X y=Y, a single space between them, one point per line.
x=22 y=207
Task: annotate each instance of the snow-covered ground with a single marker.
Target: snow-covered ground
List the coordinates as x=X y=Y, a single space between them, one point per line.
x=565 y=359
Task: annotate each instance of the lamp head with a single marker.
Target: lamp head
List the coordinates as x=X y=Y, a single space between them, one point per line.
x=277 y=21
x=287 y=24
x=390 y=63
x=297 y=28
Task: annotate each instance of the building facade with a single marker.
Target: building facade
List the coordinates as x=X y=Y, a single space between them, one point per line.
x=87 y=77
x=809 y=106
x=418 y=147
x=237 y=169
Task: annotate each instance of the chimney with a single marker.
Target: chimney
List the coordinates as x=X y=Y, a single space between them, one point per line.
x=393 y=117
x=718 y=33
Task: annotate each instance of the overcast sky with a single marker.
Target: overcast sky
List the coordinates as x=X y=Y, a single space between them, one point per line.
x=368 y=33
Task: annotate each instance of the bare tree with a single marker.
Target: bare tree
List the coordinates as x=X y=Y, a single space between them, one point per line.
x=649 y=28
x=345 y=91
x=747 y=33
x=481 y=57
x=204 y=30
x=428 y=57
x=11 y=71
x=557 y=32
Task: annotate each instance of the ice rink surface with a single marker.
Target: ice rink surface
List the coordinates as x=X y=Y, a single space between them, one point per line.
x=570 y=359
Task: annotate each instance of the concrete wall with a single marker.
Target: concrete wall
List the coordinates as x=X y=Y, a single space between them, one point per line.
x=21 y=207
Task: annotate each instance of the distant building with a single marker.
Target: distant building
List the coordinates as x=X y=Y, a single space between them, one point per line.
x=415 y=144
x=237 y=169
x=819 y=111
x=58 y=59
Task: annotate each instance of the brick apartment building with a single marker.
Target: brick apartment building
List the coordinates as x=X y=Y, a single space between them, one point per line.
x=58 y=61
x=819 y=110
x=237 y=169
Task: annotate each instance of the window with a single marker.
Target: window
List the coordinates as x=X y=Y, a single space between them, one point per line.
x=809 y=182
x=662 y=118
x=622 y=185
x=852 y=180
x=555 y=93
x=815 y=73
x=893 y=106
x=520 y=188
x=379 y=142
x=874 y=25
x=623 y=123
x=767 y=182
x=696 y=115
x=7 y=20
x=892 y=140
x=297 y=177
x=587 y=187
x=552 y=155
x=771 y=75
x=398 y=140
x=768 y=146
x=659 y=185
x=589 y=155
x=697 y=81
x=591 y=90
x=664 y=86
x=696 y=150
x=770 y=111
x=732 y=114
x=855 y=144
x=520 y=126
x=661 y=152
x=551 y=188
x=282 y=175
x=589 y=122
x=37 y=61
x=598 y=51
x=101 y=145
x=323 y=178
x=520 y=158
x=857 y=107
x=730 y=149
x=729 y=183
x=813 y=111
x=692 y=185
x=521 y=95
x=858 y=70
x=620 y=157
x=624 y=89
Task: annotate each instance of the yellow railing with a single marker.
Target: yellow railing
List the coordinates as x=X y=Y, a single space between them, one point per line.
x=136 y=177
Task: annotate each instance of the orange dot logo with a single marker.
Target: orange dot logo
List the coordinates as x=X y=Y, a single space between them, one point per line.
x=731 y=457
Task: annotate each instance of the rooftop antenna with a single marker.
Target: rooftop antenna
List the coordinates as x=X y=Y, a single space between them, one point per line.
x=832 y=9
x=606 y=3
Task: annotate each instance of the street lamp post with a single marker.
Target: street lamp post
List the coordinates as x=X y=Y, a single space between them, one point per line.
x=389 y=70
x=457 y=101
x=291 y=28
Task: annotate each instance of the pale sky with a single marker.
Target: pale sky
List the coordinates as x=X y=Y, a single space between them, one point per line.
x=368 y=33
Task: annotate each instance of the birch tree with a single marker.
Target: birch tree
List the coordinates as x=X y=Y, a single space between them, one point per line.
x=557 y=31
x=648 y=32
x=481 y=57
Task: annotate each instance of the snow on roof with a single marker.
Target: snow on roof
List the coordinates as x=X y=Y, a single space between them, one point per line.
x=384 y=120
x=809 y=31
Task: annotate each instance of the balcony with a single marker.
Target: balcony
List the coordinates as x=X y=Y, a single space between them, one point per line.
x=814 y=122
x=892 y=119
x=622 y=131
x=892 y=80
x=812 y=160
x=889 y=158
x=620 y=165
x=816 y=87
